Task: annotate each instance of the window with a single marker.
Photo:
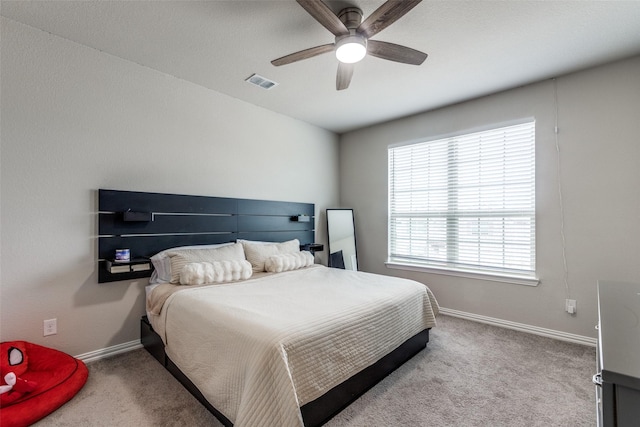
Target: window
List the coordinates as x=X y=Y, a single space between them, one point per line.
x=465 y=203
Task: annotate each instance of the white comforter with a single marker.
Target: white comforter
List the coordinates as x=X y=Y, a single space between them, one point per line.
x=260 y=349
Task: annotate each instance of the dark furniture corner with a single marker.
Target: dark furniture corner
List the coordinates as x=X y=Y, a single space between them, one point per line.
x=618 y=360
x=336 y=260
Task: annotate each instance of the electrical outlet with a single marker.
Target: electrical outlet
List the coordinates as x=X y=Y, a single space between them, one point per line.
x=50 y=327
x=570 y=306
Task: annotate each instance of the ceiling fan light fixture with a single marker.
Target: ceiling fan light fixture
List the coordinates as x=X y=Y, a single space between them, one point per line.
x=353 y=36
x=351 y=49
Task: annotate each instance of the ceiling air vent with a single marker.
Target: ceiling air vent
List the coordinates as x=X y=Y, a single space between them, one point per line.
x=263 y=82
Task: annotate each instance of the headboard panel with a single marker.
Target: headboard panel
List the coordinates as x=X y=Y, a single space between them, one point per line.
x=163 y=223
x=170 y=220
x=120 y=201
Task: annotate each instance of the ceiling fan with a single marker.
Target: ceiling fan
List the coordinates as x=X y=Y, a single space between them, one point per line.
x=352 y=37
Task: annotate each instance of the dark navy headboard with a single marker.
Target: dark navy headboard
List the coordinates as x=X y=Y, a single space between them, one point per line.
x=146 y=223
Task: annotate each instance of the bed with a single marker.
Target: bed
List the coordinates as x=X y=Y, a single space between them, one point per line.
x=260 y=349
x=256 y=343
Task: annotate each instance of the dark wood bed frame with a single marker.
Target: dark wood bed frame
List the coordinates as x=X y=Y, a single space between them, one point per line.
x=147 y=223
x=314 y=413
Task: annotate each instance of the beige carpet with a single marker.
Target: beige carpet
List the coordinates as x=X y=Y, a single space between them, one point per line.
x=471 y=374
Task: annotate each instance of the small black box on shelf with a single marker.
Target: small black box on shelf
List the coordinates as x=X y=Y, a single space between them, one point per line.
x=129 y=216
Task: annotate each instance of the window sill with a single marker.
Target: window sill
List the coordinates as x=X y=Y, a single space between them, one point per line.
x=494 y=277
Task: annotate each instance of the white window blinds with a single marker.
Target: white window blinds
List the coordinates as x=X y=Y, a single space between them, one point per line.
x=465 y=202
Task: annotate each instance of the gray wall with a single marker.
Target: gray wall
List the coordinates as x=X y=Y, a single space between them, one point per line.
x=599 y=124
x=75 y=120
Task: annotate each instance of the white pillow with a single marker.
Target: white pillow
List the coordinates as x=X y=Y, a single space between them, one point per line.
x=199 y=273
x=162 y=263
x=258 y=252
x=287 y=262
x=183 y=257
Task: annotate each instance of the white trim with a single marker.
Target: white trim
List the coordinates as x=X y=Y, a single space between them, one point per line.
x=102 y=353
x=457 y=133
x=493 y=277
x=536 y=330
x=96 y=355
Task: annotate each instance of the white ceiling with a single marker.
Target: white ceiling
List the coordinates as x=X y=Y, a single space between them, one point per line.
x=475 y=48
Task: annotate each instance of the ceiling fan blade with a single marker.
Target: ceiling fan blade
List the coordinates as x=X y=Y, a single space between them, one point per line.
x=385 y=15
x=321 y=13
x=395 y=52
x=303 y=54
x=345 y=72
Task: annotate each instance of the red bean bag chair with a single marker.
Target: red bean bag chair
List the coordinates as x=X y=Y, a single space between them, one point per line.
x=35 y=381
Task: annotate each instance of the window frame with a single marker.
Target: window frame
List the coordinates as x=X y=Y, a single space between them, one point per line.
x=436 y=267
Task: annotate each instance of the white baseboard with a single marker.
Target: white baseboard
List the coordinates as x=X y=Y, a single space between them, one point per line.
x=95 y=355
x=550 y=333
x=102 y=353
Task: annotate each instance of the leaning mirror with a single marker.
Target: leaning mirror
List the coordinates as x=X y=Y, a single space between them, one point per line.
x=341 y=235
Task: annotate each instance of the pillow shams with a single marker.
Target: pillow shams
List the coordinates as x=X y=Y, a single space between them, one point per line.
x=287 y=262
x=199 y=273
x=162 y=262
x=183 y=257
x=258 y=253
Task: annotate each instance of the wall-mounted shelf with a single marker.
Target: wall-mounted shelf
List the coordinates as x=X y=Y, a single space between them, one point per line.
x=135 y=265
x=312 y=247
x=110 y=271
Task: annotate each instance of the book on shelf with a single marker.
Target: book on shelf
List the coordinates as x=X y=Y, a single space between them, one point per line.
x=143 y=266
x=133 y=265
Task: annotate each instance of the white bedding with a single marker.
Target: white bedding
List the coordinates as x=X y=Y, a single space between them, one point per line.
x=260 y=349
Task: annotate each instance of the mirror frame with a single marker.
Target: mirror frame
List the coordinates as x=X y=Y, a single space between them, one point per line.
x=353 y=225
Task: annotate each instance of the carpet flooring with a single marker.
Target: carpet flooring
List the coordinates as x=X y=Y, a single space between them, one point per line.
x=470 y=374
